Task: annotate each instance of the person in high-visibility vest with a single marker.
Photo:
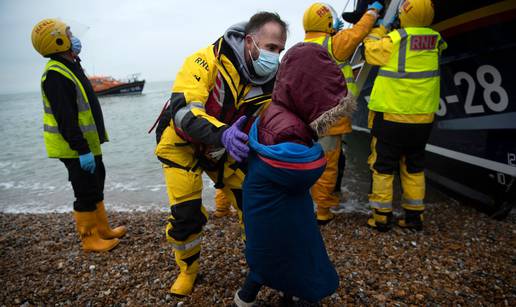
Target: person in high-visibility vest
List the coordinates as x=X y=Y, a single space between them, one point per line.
x=403 y=101
x=73 y=131
x=323 y=26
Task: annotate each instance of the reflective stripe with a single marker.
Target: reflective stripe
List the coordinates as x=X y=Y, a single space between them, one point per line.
x=84 y=129
x=380 y=205
x=50 y=129
x=180 y=114
x=188 y=245
x=82 y=105
x=47 y=109
x=88 y=128
x=413 y=201
x=402 y=58
x=325 y=42
x=409 y=75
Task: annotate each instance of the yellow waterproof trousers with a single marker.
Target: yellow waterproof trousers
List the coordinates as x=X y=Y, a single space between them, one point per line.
x=188 y=216
x=222 y=204
x=412 y=183
x=323 y=191
x=398 y=145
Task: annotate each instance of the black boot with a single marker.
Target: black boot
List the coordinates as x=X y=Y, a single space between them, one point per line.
x=413 y=220
x=381 y=220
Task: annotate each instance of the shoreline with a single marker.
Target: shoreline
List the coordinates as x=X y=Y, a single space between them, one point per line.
x=461 y=257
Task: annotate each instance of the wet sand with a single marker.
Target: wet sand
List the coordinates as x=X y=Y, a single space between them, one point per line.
x=462 y=257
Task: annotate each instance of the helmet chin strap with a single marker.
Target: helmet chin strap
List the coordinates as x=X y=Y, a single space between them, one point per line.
x=68 y=55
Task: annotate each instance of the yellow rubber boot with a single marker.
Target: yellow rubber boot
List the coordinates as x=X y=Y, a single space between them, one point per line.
x=222 y=204
x=104 y=230
x=87 y=228
x=183 y=285
x=324 y=216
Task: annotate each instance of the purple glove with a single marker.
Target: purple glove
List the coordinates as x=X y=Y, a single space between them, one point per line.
x=234 y=140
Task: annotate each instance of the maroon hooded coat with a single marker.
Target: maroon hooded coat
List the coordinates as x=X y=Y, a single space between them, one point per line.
x=309 y=96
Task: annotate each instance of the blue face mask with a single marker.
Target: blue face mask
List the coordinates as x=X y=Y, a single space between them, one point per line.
x=267 y=62
x=338 y=24
x=76 y=45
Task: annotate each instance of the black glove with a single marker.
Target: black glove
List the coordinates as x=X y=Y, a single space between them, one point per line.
x=361 y=8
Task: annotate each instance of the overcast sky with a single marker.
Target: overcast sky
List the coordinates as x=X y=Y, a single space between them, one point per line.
x=151 y=37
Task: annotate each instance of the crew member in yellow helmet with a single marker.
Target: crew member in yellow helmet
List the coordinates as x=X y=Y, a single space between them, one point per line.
x=217 y=94
x=73 y=130
x=323 y=26
x=403 y=101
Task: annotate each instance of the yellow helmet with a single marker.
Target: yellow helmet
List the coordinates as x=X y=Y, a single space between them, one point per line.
x=416 y=13
x=49 y=36
x=320 y=17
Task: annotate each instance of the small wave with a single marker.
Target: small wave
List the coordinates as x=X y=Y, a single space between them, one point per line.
x=156 y=187
x=32 y=186
x=122 y=187
x=7 y=185
x=35 y=207
x=10 y=167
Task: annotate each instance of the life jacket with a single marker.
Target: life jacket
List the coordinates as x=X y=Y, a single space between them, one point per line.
x=217 y=94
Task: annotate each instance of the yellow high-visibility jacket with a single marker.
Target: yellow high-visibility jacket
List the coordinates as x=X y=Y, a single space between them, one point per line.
x=209 y=93
x=56 y=145
x=406 y=89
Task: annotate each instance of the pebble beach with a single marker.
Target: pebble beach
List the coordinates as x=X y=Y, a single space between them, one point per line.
x=461 y=258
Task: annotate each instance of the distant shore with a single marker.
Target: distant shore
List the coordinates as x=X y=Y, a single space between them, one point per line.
x=462 y=257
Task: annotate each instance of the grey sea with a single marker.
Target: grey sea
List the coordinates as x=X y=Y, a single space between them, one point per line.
x=31 y=182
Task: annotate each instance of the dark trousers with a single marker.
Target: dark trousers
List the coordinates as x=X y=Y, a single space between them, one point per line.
x=397 y=140
x=88 y=188
x=249 y=290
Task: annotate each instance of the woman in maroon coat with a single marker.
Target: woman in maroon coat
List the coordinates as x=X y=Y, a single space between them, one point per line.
x=284 y=248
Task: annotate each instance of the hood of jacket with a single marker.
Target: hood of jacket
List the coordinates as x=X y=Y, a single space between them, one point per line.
x=234 y=37
x=310 y=85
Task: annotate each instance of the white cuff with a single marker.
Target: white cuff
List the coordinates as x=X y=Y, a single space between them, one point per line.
x=372 y=12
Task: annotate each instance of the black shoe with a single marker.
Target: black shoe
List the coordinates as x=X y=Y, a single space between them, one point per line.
x=240 y=302
x=381 y=221
x=413 y=220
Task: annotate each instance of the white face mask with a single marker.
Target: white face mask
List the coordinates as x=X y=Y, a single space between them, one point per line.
x=267 y=62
